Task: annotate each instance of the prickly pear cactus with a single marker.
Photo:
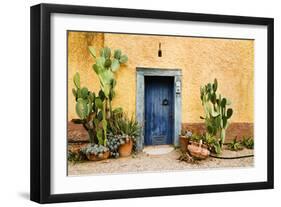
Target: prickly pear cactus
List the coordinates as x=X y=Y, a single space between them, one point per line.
x=106 y=66
x=217 y=113
x=93 y=110
x=89 y=109
x=84 y=98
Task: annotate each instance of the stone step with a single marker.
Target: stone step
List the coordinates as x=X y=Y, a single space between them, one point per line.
x=158 y=149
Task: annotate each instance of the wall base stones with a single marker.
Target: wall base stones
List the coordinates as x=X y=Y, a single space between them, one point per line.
x=234 y=130
x=76 y=132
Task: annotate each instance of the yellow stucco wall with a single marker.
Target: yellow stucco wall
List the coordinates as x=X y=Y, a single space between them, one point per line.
x=79 y=60
x=200 y=59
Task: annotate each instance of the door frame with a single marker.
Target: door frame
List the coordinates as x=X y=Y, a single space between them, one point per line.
x=140 y=104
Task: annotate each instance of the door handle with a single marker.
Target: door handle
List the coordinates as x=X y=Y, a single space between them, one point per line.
x=165 y=102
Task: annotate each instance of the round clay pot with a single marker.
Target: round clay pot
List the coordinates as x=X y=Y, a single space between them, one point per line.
x=101 y=156
x=183 y=143
x=125 y=150
x=198 y=150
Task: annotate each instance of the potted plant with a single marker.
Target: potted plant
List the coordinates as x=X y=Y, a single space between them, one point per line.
x=96 y=152
x=120 y=145
x=198 y=150
x=126 y=147
x=124 y=134
x=184 y=139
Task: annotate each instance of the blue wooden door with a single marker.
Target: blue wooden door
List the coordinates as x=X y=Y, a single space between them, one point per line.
x=158 y=110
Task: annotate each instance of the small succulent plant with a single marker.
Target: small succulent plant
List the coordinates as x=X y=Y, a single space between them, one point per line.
x=186 y=133
x=212 y=142
x=248 y=142
x=94 y=149
x=196 y=138
x=75 y=156
x=235 y=145
x=114 y=142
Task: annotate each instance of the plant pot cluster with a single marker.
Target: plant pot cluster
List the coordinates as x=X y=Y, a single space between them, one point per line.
x=122 y=148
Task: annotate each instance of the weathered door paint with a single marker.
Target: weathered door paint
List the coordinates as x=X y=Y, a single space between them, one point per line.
x=159 y=110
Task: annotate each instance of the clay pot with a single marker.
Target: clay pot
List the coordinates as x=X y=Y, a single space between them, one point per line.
x=101 y=156
x=198 y=150
x=125 y=150
x=183 y=143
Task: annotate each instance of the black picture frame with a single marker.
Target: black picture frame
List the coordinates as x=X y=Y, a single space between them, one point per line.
x=41 y=96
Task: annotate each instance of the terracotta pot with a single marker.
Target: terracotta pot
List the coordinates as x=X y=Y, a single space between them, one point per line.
x=183 y=143
x=198 y=150
x=125 y=150
x=101 y=156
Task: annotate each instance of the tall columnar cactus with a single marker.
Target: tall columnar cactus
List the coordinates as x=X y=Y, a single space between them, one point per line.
x=216 y=112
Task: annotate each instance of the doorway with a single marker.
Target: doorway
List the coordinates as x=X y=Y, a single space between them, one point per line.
x=158 y=78
x=159 y=110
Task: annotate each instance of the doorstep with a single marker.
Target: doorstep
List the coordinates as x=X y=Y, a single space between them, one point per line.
x=158 y=149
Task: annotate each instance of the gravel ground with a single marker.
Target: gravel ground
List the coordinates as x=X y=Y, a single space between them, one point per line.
x=167 y=162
